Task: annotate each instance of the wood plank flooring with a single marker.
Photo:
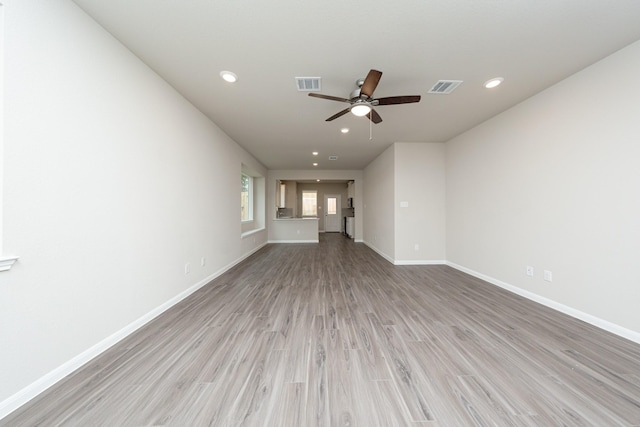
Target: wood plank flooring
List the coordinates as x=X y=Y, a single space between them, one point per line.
x=331 y=334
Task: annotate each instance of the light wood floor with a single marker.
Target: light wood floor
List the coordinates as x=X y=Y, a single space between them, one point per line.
x=333 y=335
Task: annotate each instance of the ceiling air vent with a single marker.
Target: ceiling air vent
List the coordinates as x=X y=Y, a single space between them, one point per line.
x=333 y=157
x=307 y=84
x=445 y=86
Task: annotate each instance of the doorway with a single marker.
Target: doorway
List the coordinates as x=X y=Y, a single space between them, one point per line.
x=332 y=217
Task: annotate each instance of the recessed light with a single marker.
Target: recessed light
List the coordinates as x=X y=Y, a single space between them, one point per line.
x=344 y=130
x=228 y=76
x=315 y=153
x=315 y=164
x=317 y=180
x=493 y=82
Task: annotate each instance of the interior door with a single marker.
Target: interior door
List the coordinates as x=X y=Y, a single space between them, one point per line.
x=332 y=215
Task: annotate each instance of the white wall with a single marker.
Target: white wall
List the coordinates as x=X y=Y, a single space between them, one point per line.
x=420 y=183
x=554 y=183
x=379 y=200
x=112 y=182
x=405 y=203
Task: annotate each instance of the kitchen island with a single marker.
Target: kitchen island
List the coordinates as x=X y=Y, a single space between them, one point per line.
x=294 y=230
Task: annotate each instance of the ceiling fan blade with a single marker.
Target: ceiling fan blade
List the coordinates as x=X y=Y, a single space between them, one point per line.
x=335 y=116
x=374 y=116
x=332 y=98
x=370 y=83
x=390 y=100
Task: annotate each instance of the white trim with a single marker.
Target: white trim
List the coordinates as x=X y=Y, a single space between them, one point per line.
x=419 y=262
x=358 y=240
x=5 y=266
x=32 y=390
x=6 y=262
x=404 y=261
x=294 y=241
x=593 y=320
x=585 y=317
x=26 y=394
x=250 y=232
x=250 y=197
x=379 y=252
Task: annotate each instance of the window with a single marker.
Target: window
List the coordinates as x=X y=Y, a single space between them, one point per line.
x=283 y=195
x=252 y=201
x=246 y=198
x=309 y=203
x=332 y=206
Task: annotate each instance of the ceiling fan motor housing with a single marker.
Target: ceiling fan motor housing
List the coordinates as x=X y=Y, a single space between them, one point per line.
x=361 y=103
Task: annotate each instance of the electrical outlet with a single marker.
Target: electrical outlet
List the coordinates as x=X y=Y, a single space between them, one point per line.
x=203 y=261
x=416 y=247
x=529 y=271
x=187 y=268
x=548 y=276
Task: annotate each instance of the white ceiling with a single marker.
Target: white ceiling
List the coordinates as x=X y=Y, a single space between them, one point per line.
x=531 y=43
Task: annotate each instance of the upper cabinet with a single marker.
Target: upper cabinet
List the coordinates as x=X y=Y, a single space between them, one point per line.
x=286 y=196
x=351 y=190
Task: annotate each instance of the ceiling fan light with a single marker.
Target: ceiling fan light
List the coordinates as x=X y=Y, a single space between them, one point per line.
x=360 y=110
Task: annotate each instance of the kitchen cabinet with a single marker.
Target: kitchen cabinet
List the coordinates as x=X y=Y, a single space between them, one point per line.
x=350 y=227
x=351 y=190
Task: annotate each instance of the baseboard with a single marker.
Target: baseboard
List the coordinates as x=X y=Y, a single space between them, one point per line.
x=402 y=261
x=379 y=252
x=26 y=394
x=419 y=262
x=585 y=317
x=294 y=241
x=34 y=389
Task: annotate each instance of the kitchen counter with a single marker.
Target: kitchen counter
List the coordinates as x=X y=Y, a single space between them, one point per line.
x=295 y=219
x=294 y=230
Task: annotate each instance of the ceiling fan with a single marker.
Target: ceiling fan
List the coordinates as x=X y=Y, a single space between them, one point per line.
x=362 y=101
